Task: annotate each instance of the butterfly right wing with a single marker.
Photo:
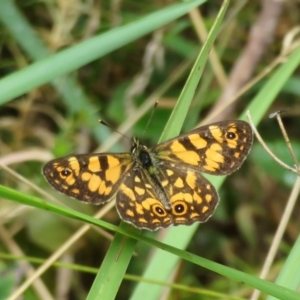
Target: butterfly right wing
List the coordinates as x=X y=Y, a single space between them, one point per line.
x=219 y=148
x=92 y=178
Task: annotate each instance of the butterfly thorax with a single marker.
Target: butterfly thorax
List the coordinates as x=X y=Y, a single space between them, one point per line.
x=141 y=155
x=145 y=161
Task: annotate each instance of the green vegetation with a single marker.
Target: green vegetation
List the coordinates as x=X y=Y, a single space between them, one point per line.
x=66 y=65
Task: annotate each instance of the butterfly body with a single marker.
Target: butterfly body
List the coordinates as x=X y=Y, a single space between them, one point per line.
x=160 y=186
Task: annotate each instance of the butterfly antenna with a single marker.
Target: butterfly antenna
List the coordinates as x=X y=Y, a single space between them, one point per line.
x=113 y=129
x=151 y=116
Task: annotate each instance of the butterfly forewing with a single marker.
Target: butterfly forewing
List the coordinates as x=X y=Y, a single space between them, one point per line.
x=219 y=148
x=93 y=178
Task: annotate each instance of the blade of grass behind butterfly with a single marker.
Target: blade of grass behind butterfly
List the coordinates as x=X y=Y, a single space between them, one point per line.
x=172 y=129
x=77 y=56
x=117 y=259
x=72 y=58
x=289 y=275
x=182 y=106
x=179 y=236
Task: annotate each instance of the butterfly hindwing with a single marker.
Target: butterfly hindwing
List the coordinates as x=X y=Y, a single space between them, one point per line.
x=190 y=196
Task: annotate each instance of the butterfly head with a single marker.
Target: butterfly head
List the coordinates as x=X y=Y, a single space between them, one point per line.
x=137 y=146
x=141 y=154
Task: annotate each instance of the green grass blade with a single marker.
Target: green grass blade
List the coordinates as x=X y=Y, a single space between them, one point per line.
x=71 y=93
x=113 y=268
x=272 y=87
x=180 y=236
x=8 y=193
x=172 y=128
x=22 y=31
x=71 y=59
x=182 y=106
x=118 y=254
x=289 y=275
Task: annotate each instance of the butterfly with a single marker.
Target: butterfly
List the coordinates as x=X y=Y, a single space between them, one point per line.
x=160 y=186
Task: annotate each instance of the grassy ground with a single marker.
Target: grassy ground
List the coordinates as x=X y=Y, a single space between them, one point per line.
x=65 y=65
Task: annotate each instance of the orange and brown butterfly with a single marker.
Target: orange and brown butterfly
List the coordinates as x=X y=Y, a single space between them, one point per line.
x=160 y=186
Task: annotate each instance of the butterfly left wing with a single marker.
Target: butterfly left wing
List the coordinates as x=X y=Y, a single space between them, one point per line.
x=191 y=197
x=92 y=178
x=219 y=148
